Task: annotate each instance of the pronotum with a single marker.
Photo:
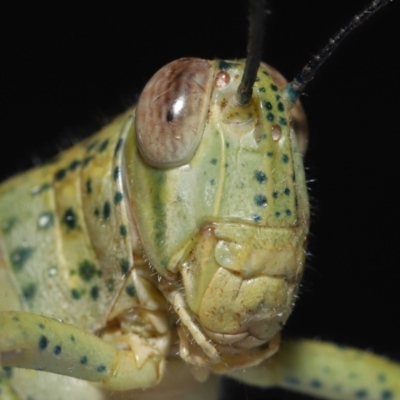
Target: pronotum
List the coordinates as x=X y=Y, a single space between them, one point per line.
x=336 y=320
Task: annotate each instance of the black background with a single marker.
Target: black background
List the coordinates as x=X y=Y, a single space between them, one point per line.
x=68 y=67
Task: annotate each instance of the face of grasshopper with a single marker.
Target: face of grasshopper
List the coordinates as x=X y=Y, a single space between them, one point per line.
x=347 y=121
x=219 y=195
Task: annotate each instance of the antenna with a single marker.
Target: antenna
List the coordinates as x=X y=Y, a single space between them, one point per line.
x=296 y=87
x=254 y=50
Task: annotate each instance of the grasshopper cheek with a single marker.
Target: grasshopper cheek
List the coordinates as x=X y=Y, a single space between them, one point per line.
x=298 y=119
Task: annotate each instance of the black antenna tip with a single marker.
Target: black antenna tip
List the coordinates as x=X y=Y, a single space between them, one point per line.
x=294 y=89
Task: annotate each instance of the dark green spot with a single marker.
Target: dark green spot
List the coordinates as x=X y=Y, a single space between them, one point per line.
x=20 y=256
x=29 y=291
x=101 y=368
x=117 y=171
x=277 y=214
x=270 y=153
x=281 y=107
x=361 y=394
x=83 y=360
x=315 y=383
x=94 y=292
x=292 y=380
x=45 y=220
x=41 y=326
x=387 y=395
x=275 y=194
x=122 y=230
x=43 y=342
x=212 y=181
x=60 y=174
x=286 y=191
x=260 y=200
x=103 y=146
x=285 y=158
x=57 y=350
x=89 y=186
x=118 y=147
x=124 y=264
x=130 y=290
x=70 y=218
x=72 y=338
x=260 y=176
x=7 y=372
x=256 y=217
x=213 y=161
x=87 y=270
x=118 y=197
x=274 y=87
x=87 y=160
x=96 y=212
x=224 y=65
x=106 y=210
x=76 y=294
x=288 y=212
x=268 y=105
x=74 y=165
x=265 y=73
x=282 y=121
x=262 y=89
x=270 y=117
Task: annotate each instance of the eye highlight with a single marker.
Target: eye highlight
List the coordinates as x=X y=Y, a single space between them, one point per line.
x=172 y=112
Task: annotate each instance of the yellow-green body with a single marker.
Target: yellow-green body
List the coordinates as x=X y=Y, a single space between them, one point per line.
x=66 y=241
x=116 y=272
x=67 y=252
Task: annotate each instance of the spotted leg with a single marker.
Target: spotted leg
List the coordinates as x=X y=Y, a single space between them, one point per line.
x=326 y=371
x=36 y=342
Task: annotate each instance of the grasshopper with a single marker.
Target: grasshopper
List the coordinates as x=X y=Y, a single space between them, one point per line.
x=343 y=316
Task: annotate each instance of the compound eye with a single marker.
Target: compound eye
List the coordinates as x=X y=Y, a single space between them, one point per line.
x=172 y=112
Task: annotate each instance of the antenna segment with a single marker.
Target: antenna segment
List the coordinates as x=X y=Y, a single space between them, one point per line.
x=296 y=87
x=254 y=50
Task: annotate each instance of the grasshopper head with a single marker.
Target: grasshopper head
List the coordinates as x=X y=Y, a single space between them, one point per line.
x=219 y=197
x=219 y=194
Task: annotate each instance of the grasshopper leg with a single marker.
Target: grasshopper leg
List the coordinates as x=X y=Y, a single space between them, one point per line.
x=327 y=371
x=35 y=342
